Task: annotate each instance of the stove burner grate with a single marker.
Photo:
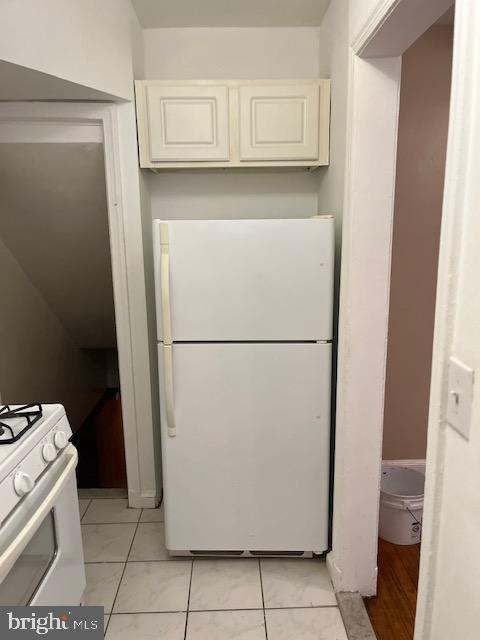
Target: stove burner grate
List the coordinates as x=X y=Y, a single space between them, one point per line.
x=31 y=413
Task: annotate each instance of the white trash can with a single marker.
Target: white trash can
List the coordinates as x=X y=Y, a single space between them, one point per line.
x=401 y=505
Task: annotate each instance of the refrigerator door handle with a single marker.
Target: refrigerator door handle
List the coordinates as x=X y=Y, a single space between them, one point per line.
x=165 y=283
x=167 y=329
x=169 y=397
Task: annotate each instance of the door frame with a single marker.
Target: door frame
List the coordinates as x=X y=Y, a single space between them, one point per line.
x=137 y=379
x=380 y=31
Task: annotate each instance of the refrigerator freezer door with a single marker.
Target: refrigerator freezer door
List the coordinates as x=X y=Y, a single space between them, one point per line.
x=249 y=466
x=242 y=280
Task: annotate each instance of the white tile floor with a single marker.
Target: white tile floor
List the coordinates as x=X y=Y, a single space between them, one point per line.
x=148 y=595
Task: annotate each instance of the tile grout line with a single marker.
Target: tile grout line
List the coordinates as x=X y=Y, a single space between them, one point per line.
x=123 y=572
x=105 y=628
x=263 y=599
x=94 y=524
x=146 y=613
x=188 y=602
x=86 y=509
x=303 y=606
x=125 y=522
x=139 y=612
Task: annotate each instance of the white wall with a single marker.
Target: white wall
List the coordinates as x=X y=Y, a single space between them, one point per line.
x=223 y=54
x=231 y=53
x=218 y=13
x=87 y=42
x=98 y=44
x=230 y=194
x=448 y=603
x=456 y=607
x=360 y=10
x=334 y=64
x=39 y=360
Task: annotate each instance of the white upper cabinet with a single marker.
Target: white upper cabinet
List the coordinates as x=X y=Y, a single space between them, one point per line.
x=195 y=124
x=279 y=122
x=187 y=123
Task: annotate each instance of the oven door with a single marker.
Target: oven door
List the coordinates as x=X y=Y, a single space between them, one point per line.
x=41 y=556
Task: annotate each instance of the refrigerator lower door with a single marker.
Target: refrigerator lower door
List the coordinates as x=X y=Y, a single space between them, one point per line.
x=248 y=468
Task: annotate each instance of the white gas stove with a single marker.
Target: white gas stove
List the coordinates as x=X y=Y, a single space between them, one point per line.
x=31 y=438
x=41 y=557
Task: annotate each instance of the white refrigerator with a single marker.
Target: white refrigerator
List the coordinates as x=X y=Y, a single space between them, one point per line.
x=244 y=322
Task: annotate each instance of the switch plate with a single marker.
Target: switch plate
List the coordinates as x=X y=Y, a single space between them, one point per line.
x=460 y=397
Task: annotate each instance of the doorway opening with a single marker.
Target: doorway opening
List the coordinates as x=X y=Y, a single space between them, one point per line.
x=420 y=171
x=57 y=327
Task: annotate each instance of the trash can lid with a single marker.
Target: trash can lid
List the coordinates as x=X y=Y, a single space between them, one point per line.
x=402 y=482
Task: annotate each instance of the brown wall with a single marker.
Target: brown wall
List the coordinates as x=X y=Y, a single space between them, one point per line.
x=422 y=138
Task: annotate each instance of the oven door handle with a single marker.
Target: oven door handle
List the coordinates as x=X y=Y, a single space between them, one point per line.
x=11 y=554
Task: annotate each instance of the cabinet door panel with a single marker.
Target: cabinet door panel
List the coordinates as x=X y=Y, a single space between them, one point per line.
x=188 y=123
x=279 y=122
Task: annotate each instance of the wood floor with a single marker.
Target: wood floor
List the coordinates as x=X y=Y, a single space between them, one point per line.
x=392 y=611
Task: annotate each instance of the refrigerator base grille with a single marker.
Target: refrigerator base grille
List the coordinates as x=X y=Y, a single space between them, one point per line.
x=243 y=554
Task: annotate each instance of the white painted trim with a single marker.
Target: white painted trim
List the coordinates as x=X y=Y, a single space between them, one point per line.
x=50 y=132
x=238 y=166
x=143 y=485
x=363 y=321
x=374 y=87
x=372 y=24
x=461 y=195
x=393 y=25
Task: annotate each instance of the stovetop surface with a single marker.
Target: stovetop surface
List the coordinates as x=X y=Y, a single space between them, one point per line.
x=50 y=413
x=16 y=421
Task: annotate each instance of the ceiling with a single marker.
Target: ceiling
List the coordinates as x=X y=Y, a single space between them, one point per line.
x=53 y=219
x=229 y=13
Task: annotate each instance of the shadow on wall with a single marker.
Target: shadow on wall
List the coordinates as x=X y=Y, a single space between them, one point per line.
x=55 y=275
x=40 y=362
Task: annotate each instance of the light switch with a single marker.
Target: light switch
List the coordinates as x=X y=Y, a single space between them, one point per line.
x=460 y=397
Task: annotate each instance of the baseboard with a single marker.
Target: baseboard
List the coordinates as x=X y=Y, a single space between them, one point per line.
x=87 y=494
x=138 y=500
x=334 y=572
x=369 y=588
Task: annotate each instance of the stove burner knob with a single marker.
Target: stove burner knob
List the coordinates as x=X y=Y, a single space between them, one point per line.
x=22 y=483
x=60 y=439
x=49 y=453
